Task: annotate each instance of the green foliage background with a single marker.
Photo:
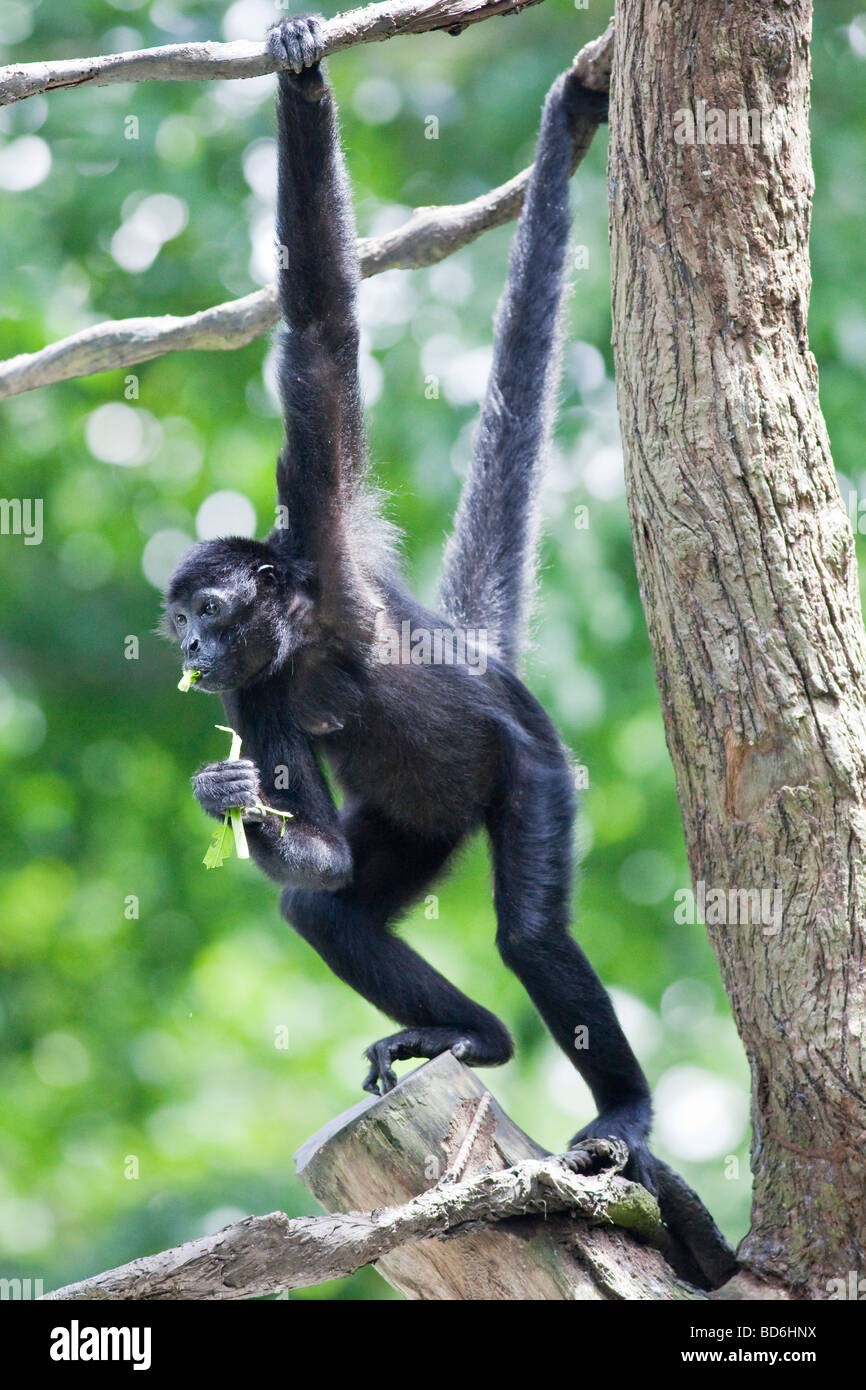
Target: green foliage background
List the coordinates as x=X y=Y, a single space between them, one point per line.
x=144 y=1098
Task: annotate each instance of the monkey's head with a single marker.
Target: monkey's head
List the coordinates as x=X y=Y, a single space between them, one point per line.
x=236 y=610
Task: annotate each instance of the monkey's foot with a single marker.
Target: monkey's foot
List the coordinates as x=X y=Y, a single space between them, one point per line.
x=596 y=1156
x=420 y=1042
x=630 y=1128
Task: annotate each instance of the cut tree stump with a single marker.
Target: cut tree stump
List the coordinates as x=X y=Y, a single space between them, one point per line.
x=435 y=1185
x=441 y=1119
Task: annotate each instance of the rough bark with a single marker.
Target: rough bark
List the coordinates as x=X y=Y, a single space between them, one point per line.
x=746 y=565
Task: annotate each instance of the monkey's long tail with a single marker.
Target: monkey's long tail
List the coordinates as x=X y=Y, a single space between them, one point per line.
x=489 y=565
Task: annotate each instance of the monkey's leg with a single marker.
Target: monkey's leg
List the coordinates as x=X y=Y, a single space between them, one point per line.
x=350 y=931
x=531 y=835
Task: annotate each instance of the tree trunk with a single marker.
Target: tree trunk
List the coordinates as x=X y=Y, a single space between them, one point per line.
x=747 y=572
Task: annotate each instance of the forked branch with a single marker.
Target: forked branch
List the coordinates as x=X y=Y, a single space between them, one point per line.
x=428 y=236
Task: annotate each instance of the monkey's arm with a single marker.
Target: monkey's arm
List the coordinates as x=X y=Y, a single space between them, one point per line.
x=488 y=560
x=317 y=278
x=308 y=851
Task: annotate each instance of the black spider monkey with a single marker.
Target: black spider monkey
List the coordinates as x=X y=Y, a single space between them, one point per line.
x=289 y=632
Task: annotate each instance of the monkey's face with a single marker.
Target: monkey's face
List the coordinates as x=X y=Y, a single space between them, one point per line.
x=233 y=613
x=222 y=637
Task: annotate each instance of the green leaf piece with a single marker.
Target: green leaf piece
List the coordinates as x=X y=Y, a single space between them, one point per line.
x=220 y=846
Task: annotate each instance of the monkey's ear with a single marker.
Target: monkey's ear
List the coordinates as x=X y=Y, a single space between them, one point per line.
x=266 y=576
x=300 y=606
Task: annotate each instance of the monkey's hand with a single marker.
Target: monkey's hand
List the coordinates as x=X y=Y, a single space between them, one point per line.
x=226 y=786
x=296 y=46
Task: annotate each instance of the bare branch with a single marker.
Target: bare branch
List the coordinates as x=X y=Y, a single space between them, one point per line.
x=122 y=342
x=267 y=1254
x=204 y=62
x=428 y=236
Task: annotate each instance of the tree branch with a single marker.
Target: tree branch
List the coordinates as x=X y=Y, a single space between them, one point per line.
x=428 y=236
x=205 y=62
x=267 y=1254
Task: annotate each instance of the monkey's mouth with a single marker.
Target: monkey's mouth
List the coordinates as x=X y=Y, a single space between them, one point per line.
x=215 y=680
x=206 y=680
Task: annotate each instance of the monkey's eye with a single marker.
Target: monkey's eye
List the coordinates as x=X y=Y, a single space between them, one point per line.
x=179 y=620
x=211 y=607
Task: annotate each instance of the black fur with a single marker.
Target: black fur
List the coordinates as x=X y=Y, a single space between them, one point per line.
x=425 y=753
x=490 y=559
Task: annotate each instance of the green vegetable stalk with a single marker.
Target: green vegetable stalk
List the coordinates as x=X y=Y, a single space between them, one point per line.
x=188 y=680
x=242 y=849
x=220 y=846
